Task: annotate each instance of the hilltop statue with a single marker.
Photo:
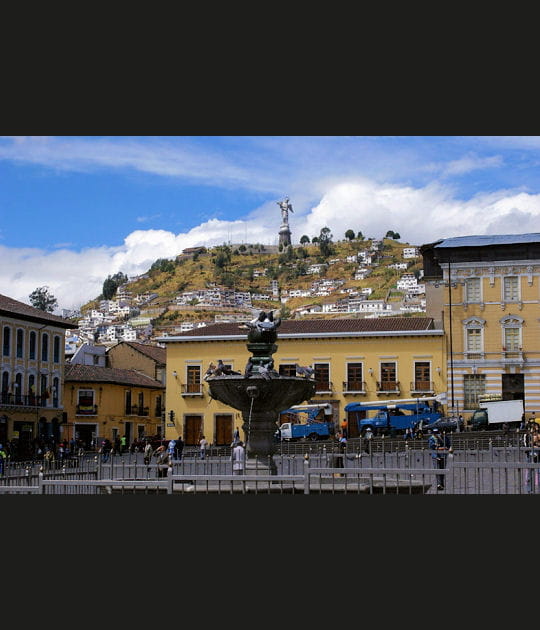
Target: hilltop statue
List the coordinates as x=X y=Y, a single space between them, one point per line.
x=285 y=208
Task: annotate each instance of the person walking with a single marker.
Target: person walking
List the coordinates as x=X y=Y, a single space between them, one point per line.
x=203 y=443
x=171 y=447
x=236 y=437
x=3 y=458
x=123 y=444
x=147 y=453
x=179 y=448
x=440 y=448
x=238 y=457
x=368 y=436
x=344 y=428
x=531 y=440
x=106 y=449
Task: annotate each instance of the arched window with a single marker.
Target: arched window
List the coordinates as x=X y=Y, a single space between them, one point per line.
x=32 y=389
x=45 y=347
x=20 y=343
x=5 y=387
x=55 y=391
x=18 y=387
x=32 y=346
x=511 y=333
x=56 y=349
x=6 y=341
x=474 y=335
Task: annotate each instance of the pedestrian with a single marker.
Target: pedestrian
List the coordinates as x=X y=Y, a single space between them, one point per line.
x=368 y=436
x=408 y=433
x=236 y=437
x=342 y=447
x=117 y=446
x=420 y=429
x=3 y=457
x=106 y=449
x=179 y=448
x=171 y=447
x=123 y=444
x=147 y=453
x=440 y=448
x=238 y=457
x=202 y=447
x=163 y=460
x=344 y=428
x=531 y=440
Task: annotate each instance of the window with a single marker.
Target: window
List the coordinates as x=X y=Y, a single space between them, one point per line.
x=472 y=290
x=422 y=376
x=388 y=376
x=32 y=346
x=6 y=341
x=45 y=347
x=56 y=349
x=85 y=402
x=19 y=343
x=157 y=412
x=193 y=385
x=128 y=402
x=354 y=377
x=287 y=369
x=55 y=391
x=511 y=289
x=474 y=340
x=18 y=388
x=474 y=385
x=322 y=377
x=32 y=389
x=512 y=339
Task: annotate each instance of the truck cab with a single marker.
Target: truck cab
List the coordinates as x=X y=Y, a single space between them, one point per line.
x=310 y=422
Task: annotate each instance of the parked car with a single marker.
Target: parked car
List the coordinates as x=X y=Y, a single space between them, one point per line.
x=448 y=424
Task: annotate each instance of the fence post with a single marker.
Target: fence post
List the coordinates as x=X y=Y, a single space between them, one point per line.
x=306 y=474
x=40 y=481
x=169 y=479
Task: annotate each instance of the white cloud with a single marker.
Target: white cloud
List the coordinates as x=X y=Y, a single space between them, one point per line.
x=420 y=215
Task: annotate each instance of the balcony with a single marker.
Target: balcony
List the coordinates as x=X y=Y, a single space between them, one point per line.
x=512 y=356
x=18 y=400
x=192 y=389
x=136 y=410
x=354 y=387
x=388 y=387
x=86 y=410
x=324 y=387
x=422 y=387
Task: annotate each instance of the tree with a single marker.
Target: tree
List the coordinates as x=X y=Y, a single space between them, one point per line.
x=112 y=283
x=392 y=234
x=360 y=236
x=325 y=242
x=304 y=240
x=44 y=300
x=349 y=234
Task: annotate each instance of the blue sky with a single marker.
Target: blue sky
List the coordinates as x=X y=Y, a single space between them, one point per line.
x=74 y=210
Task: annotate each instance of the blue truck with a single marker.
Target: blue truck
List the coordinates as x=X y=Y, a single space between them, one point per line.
x=394 y=416
x=308 y=422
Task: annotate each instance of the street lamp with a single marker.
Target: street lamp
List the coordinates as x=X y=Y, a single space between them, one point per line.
x=451 y=285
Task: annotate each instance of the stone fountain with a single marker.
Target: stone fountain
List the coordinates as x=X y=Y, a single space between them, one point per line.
x=261 y=393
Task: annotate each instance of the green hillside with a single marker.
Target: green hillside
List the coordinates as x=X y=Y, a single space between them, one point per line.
x=235 y=267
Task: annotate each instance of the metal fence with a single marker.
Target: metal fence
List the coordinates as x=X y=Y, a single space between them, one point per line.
x=493 y=470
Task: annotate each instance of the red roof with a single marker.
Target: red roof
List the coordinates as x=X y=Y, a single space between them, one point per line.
x=319 y=326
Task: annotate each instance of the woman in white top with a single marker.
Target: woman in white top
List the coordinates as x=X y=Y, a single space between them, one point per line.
x=238 y=457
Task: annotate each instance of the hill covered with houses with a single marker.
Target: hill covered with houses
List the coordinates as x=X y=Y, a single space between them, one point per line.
x=355 y=277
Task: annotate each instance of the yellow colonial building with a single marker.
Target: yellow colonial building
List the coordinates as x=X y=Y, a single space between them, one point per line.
x=32 y=371
x=353 y=359
x=103 y=402
x=486 y=292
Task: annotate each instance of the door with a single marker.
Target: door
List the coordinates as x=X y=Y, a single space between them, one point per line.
x=224 y=429
x=194 y=431
x=513 y=387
